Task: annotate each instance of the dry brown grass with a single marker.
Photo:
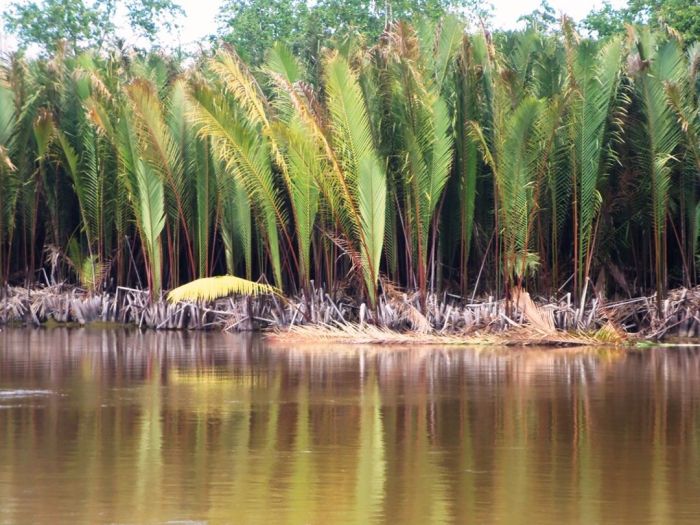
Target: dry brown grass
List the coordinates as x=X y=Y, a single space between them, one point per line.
x=351 y=333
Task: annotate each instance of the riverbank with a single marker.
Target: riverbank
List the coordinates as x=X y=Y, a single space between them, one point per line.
x=399 y=318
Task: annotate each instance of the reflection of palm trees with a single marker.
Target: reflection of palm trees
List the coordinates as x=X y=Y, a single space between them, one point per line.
x=219 y=427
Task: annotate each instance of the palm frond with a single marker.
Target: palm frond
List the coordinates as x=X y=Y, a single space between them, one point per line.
x=211 y=288
x=440 y=142
x=363 y=178
x=352 y=138
x=9 y=183
x=594 y=79
x=447 y=43
x=147 y=198
x=7 y=123
x=159 y=148
x=306 y=167
x=150 y=210
x=282 y=61
x=371 y=187
x=512 y=159
x=235 y=219
x=240 y=83
x=248 y=158
x=663 y=134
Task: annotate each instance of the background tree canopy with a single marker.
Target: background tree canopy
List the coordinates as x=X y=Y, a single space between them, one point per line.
x=682 y=15
x=83 y=24
x=252 y=26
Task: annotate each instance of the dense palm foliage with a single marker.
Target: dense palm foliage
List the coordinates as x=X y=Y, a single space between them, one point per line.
x=433 y=159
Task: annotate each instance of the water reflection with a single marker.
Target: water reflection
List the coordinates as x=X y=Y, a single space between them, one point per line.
x=154 y=427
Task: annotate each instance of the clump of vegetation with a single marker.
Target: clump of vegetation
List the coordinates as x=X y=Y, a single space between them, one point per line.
x=434 y=157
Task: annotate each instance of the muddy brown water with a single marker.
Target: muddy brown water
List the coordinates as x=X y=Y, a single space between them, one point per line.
x=117 y=426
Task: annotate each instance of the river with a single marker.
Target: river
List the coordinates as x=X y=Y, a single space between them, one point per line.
x=122 y=426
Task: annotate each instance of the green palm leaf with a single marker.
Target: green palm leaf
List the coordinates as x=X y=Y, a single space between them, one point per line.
x=511 y=157
x=159 y=148
x=145 y=191
x=305 y=167
x=235 y=220
x=662 y=132
x=9 y=183
x=363 y=179
x=248 y=158
x=595 y=79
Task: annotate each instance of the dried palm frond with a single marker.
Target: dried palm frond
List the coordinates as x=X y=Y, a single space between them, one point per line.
x=417 y=320
x=539 y=318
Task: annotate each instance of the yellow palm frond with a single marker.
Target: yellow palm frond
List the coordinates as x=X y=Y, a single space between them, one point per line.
x=210 y=288
x=239 y=81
